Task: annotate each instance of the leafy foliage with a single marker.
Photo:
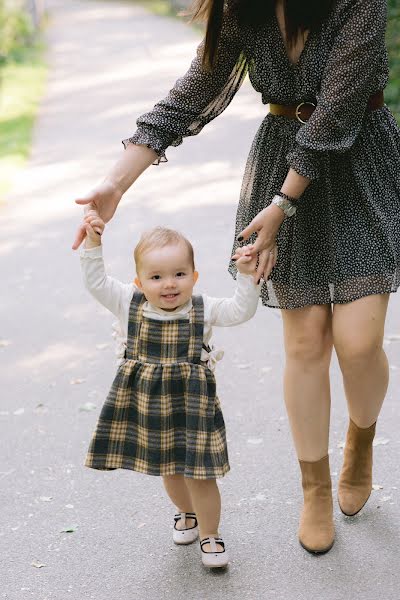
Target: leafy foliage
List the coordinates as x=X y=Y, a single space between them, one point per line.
x=16 y=29
x=393 y=42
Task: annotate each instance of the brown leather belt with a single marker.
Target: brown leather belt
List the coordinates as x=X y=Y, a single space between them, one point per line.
x=303 y=111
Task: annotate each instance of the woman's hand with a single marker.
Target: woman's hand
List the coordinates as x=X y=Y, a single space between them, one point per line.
x=266 y=225
x=103 y=199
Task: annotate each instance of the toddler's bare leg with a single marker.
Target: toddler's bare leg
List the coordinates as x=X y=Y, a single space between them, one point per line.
x=206 y=502
x=177 y=490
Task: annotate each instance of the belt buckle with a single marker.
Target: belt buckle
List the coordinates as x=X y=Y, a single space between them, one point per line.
x=298 y=111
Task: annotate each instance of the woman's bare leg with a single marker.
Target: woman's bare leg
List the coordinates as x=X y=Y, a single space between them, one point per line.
x=308 y=346
x=358 y=330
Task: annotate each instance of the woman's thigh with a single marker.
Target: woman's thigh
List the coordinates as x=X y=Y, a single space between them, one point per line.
x=308 y=333
x=358 y=328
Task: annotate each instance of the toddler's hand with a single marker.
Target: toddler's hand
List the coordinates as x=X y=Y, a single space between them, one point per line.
x=245 y=263
x=94 y=227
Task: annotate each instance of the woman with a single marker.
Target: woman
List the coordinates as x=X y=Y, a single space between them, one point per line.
x=322 y=183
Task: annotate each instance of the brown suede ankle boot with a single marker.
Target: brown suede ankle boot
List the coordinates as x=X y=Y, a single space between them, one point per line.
x=355 y=482
x=316 y=531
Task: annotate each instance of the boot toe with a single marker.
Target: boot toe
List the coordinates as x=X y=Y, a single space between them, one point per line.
x=317 y=542
x=350 y=504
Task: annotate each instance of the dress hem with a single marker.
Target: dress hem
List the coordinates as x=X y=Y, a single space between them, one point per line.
x=100 y=466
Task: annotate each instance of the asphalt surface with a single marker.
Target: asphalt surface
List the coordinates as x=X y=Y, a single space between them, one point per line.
x=109 y=62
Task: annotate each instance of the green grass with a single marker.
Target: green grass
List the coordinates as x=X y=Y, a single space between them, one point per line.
x=393 y=42
x=21 y=86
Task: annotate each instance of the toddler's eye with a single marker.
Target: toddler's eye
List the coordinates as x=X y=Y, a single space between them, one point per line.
x=155 y=277
x=180 y=274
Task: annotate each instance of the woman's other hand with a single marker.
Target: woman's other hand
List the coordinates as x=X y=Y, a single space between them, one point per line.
x=266 y=225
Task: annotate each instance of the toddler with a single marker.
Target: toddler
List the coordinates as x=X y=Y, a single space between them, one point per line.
x=162 y=415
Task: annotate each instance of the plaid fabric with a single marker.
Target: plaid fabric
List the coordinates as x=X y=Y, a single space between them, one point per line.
x=162 y=415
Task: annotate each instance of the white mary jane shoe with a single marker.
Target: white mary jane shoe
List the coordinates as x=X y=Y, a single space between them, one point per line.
x=216 y=558
x=188 y=535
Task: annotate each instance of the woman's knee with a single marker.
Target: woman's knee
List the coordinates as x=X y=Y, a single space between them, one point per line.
x=308 y=337
x=356 y=352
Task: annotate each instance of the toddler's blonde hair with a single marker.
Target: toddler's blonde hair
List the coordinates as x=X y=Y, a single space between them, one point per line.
x=159 y=237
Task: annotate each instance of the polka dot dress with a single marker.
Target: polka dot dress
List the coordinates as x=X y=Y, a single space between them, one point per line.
x=344 y=241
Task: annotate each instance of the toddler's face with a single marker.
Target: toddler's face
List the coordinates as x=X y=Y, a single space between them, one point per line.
x=166 y=276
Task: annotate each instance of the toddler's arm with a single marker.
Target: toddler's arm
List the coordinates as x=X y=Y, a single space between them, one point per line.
x=226 y=312
x=110 y=292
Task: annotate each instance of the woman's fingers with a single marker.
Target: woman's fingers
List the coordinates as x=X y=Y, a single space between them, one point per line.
x=275 y=255
x=253 y=227
x=269 y=266
x=263 y=260
x=79 y=237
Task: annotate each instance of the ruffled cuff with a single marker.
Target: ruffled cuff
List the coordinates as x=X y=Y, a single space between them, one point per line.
x=146 y=136
x=305 y=162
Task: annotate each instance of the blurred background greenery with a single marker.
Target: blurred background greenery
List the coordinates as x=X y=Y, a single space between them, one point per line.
x=23 y=72
x=393 y=41
x=22 y=76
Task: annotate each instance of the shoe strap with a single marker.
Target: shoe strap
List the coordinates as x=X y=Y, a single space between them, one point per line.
x=182 y=517
x=213 y=543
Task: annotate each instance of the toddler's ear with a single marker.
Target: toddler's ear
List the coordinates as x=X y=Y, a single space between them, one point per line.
x=138 y=283
x=195 y=276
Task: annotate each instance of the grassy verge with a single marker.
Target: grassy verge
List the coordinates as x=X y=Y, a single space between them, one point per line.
x=21 y=86
x=393 y=42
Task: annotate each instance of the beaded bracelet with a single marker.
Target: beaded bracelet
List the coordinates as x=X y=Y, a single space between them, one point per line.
x=286 y=197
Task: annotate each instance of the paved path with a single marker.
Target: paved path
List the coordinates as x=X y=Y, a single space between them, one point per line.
x=109 y=63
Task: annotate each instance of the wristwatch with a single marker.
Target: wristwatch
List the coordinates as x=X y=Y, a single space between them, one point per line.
x=285 y=204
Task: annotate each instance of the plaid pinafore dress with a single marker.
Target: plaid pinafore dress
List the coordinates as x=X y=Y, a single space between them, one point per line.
x=162 y=415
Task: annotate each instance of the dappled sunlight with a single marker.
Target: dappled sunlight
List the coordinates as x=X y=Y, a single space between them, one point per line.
x=67 y=356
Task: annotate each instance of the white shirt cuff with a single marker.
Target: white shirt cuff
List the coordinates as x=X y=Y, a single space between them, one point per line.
x=96 y=252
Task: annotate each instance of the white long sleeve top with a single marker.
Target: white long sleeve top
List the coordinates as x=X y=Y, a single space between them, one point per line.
x=116 y=297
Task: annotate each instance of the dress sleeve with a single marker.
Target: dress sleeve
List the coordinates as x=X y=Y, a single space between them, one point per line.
x=197 y=97
x=351 y=76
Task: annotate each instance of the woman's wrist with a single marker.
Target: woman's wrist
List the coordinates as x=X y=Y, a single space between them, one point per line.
x=276 y=214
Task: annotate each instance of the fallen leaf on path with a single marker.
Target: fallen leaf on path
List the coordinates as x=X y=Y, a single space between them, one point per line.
x=77 y=381
x=255 y=441
x=46 y=498
x=87 y=407
x=70 y=529
x=377 y=487
x=393 y=338
x=37 y=564
x=380 y=442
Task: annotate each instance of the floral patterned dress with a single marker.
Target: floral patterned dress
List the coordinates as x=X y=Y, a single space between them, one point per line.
x=344 y=242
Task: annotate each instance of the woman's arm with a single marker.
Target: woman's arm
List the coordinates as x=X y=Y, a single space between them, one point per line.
x=196 y=98
x=356 y=68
